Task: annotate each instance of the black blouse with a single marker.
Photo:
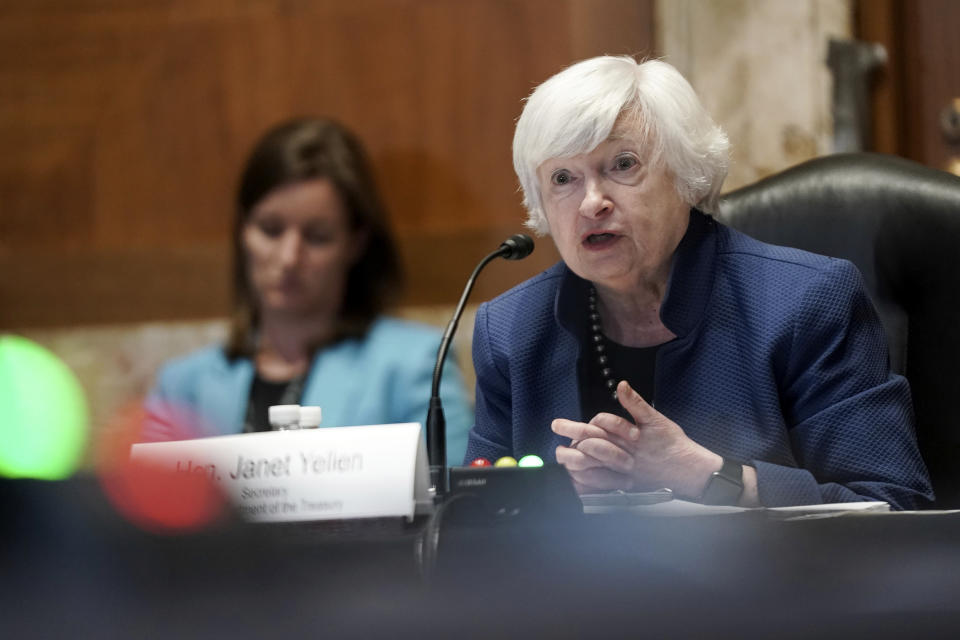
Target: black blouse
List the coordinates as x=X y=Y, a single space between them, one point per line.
x=636 y=365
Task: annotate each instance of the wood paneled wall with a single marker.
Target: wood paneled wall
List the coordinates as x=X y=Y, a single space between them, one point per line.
x=124 y=124
x=921 y=78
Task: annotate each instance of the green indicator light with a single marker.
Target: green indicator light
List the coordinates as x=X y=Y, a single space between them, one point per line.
x=530 y=461
x=43 y=413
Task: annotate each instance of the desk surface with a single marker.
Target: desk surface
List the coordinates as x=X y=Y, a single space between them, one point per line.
x=71 y=566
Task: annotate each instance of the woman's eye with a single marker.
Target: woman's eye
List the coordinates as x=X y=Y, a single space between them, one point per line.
x=270 y=229
x=317 y=237
x=560 y=178
x=622 y=163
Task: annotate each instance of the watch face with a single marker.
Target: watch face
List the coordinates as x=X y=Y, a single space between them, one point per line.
x=722 y=489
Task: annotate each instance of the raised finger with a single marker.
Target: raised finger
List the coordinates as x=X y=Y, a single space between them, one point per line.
x=634 y=403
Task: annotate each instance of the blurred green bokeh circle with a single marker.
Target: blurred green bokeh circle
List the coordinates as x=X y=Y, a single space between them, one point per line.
x=43 y=413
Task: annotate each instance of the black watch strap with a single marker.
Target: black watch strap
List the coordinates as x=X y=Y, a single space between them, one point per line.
x=725 y=485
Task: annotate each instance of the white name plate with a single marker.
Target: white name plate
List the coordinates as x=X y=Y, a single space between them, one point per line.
x=312 y=474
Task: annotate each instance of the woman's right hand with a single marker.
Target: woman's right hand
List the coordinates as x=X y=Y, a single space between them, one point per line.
x=650 y=453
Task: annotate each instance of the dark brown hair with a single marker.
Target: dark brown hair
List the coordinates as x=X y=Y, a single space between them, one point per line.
x=304 y=149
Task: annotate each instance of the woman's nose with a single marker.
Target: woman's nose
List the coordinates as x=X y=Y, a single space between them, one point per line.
x=595 y=202
x=291 y=246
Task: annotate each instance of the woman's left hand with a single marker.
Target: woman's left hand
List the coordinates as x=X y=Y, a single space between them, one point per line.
x=610 y=452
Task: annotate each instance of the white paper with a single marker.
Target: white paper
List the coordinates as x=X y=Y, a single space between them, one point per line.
x=805 y=511
x=675 y=508
x=833 y=507
x=683 y=508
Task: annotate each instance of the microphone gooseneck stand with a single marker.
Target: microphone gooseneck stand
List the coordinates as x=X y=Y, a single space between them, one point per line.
x=516 y=247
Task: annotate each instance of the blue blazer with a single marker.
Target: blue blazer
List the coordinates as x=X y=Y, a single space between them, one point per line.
x=779 y=362
x=385 y=377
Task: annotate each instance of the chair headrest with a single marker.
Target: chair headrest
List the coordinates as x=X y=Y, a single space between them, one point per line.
x=850 y=184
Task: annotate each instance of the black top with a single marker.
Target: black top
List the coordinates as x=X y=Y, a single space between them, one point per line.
x=266 y=393
x=636 y=365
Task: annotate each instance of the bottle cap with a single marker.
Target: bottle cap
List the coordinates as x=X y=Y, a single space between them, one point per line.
x=310 y=417
x=284 y=415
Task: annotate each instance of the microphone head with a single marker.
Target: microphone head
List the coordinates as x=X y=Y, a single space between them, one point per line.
x=517 y=247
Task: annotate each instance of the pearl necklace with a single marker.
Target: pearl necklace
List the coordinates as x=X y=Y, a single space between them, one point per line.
x=600 y=344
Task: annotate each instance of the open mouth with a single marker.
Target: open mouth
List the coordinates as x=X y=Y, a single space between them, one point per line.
x=599 y=239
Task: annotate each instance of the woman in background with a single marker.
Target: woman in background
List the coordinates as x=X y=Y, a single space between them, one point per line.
x=314 y=268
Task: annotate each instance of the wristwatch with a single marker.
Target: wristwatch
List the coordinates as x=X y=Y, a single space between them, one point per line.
x=724 y=486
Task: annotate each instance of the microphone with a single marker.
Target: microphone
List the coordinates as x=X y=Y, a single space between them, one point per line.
x=516 y=247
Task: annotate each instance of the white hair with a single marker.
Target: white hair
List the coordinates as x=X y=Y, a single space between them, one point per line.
x=577 y=109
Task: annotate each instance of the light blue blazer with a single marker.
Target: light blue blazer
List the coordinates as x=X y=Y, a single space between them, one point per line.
x=384 y=377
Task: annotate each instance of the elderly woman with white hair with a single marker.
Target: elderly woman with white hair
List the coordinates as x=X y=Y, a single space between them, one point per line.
x=667 y=350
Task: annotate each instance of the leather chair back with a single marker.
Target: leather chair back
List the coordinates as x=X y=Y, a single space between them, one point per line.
x=899 y=222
